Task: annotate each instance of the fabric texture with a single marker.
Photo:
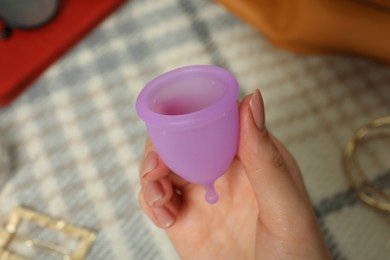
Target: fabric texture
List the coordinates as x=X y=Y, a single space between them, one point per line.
x=4 y=165
x=74 y=139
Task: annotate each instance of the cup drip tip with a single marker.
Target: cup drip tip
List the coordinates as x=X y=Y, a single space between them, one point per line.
x=212 y=196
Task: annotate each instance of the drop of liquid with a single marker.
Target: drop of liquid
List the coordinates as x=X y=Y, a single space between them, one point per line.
x=211 y=195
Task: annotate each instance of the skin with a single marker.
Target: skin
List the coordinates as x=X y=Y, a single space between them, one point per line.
x=264 y=211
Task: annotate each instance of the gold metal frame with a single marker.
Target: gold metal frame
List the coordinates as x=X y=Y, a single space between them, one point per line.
x=84 y=236
x=366 y=191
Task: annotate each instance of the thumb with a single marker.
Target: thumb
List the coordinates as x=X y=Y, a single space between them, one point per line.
x=278 y=197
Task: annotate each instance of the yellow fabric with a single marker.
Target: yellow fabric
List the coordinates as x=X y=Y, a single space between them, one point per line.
x=320 y=26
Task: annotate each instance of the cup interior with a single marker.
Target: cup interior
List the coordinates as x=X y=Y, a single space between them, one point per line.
x=187 y=94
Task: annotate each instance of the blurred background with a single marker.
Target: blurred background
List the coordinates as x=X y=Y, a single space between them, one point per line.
x=71 y=143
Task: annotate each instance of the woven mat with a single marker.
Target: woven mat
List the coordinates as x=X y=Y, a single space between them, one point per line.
x=75 y=141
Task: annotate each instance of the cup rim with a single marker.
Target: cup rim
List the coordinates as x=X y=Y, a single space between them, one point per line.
x=197 y=118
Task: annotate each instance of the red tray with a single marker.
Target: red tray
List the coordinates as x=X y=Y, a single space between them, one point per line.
x=27 y=53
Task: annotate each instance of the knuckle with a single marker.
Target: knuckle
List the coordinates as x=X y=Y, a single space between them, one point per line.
x=277 y=160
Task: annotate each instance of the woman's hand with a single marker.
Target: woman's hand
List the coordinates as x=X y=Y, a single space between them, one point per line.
x=263 y=213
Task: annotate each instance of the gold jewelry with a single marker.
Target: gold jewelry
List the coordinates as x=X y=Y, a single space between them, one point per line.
x=365 y=189
x=83 y=237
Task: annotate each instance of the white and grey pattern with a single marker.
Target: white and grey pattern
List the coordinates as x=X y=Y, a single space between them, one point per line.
x=74 y=139
x=5 y=165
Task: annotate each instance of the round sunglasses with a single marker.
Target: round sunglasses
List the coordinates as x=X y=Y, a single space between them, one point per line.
x=26 y=14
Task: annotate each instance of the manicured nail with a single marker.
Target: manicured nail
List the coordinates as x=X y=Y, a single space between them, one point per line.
x=164 y=217
x=153 y=192
x=257 y=106
x=150 y=163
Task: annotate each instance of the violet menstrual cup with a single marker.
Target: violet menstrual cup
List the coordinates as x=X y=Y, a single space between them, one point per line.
x=192 y=119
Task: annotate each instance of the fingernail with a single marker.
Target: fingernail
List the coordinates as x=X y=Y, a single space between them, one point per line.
x=257 y=107
x=153 y=192
x=149 y=163
x=164 y=217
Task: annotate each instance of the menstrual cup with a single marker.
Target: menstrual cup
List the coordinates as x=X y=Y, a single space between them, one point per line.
x=192 y=119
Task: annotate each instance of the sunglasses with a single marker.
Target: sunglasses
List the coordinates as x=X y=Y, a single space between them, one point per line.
x=26 y=14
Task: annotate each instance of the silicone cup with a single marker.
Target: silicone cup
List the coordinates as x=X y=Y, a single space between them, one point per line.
x=192 y=119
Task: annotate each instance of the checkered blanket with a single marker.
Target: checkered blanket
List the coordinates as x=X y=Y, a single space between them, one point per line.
x=74 y=139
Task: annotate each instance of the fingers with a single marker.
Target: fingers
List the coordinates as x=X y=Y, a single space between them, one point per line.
x=156 y=187
x=152 y=168
x=277 y=194
x=292 y=166
x=157 y=193
x=162 y=216
x=157 y=197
